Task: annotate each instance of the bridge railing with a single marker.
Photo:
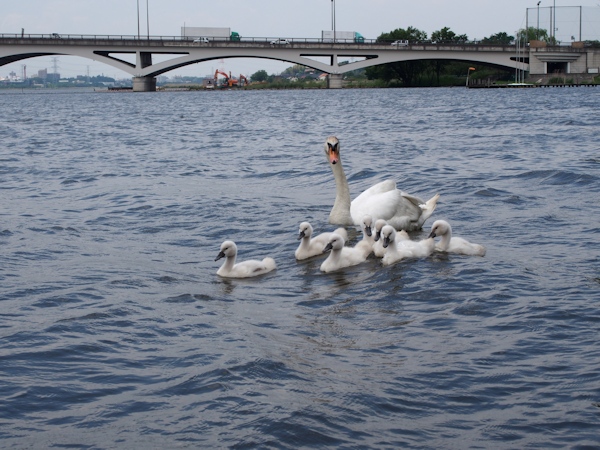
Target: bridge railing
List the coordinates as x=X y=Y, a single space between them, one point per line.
x=121 y=37
x=257 y=40
x=129 y=37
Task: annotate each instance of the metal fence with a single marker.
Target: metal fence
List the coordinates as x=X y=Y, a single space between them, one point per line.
x=565 y=23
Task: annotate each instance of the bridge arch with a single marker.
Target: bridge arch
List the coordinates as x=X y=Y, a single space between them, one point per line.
x=303 y=52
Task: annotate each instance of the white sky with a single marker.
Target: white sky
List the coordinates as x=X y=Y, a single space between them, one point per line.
x=274 y=18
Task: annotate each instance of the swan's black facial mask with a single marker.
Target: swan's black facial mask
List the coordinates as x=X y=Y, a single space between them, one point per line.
x=333 y=153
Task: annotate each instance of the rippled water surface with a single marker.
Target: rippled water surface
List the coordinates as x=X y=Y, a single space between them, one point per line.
x=116 y=332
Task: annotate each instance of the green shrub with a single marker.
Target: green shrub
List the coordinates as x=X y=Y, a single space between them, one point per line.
x=556 y=80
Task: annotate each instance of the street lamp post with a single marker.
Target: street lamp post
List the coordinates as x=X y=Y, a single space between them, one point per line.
x=538 y=22
x=553 y=21
x=147 y=20
x=138 y=17
x=333 y=18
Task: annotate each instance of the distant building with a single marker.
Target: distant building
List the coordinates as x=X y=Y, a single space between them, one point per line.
x=12 y=78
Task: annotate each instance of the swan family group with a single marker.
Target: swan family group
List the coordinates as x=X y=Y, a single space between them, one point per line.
x=384 y=213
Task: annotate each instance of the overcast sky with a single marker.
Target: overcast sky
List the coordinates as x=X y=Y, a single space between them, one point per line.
x=275 y=18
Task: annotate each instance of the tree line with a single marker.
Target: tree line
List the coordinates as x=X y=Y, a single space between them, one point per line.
x=432 y=72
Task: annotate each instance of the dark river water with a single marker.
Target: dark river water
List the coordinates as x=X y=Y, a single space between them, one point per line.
x=116 y=332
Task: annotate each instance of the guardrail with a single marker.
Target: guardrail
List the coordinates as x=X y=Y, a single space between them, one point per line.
x=129 y=37
x=126 y=37
x=261 y=40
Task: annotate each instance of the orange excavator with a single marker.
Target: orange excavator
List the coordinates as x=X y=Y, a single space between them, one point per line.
x=225 y=82
x=229 y=81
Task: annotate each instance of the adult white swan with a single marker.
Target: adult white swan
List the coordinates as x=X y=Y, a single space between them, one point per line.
x=244 y=269
x=313 y=245
x=381 y=201
x=341 y=256
x=453 y=244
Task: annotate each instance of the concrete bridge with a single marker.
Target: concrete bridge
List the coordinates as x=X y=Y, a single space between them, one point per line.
x=121 y=51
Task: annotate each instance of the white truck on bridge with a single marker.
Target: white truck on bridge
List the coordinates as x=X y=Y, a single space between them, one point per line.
x=209 y=32
x=342 y=36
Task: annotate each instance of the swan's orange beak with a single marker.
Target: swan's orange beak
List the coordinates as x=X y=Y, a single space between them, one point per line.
x=333 y=154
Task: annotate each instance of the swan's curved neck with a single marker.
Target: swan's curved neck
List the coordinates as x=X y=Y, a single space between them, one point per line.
x=445 y=240
x=229 y=263
x=392 y=248
x=305 y=243
x=335 y=255
x=340 y=213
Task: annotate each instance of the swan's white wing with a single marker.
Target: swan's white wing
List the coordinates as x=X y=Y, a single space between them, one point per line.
x=383 y=186
x=314 y=248
x=342 y=232
x=402 y=235
x=320 y=240
x=391 y=206
x=326 y=236
x=464 y=247
x=348 y=256
x=251 y=268
x=412 y=198
x=427 y=209
x=352 y=256
x=420 y=249
x=378 y=249
x=399 y=254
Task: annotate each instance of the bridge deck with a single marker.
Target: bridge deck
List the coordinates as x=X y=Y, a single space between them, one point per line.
x=342 y=57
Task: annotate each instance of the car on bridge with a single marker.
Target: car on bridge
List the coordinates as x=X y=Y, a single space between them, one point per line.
x=280 y=42
x=202 y=40
x=400 y=43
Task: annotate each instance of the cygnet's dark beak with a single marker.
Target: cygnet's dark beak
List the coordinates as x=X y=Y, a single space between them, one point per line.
x=368 y=230
x=219 y=256
x=431 y=235
x=301 y=235
x=386 y=242
x=377 y=236
x=328 y=247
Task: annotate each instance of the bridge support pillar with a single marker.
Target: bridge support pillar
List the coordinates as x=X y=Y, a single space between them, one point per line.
x=144 y=84
x=334 y=81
